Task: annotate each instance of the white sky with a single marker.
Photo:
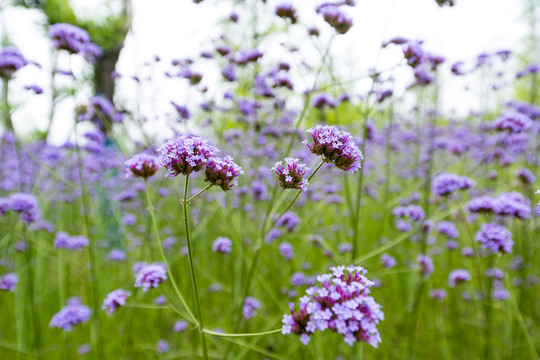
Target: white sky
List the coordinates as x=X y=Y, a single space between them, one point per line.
x=179 y=28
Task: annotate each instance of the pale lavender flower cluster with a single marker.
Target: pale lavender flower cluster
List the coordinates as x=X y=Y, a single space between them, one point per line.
x=426 y=264
x=495 y=237
x=222 y=172
x=251 y=305
x=287 y=11
x=458 y=276
x=335 y=17
x=438 y=294
x=63 y=240
x=26 y=205
x=388 y=261
x=185 y=154
x=340 y=303
x=150 y=275
x=291 y=174
x=511 y=204
x=141 y=165
x=445 y=184
x=74 y=40
x=8 y=282
x=513 y=122
x=11 y=60
x=180 y=326
x=412 y=212
x=114 y=300
x=289 y=220
x=526 y=176
x=72 y=314
x=449 y=229
x=335 y=146
x=222 y=245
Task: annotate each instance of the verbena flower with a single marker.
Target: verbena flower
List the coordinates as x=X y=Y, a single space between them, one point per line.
x=141 y=165
x=72 y=314
x=426 y=264
x=287 y=11
x=11 y=60
x=340 y=303
x=291 y=174
x=513 y=204
x=286 y=250
x=180 y=326
x=482 y=204
x=222 y=172
x=63 y=240
x=114 y=300
x=26 y=205
x=438 y=294
x=8 y=282
x=335 y=146
x=335 y=18
x=512 y=121
x=445 y=184
x=388 y=261
x=222 y=245
x=457 y=277
x=495 y=237
x=150 y=276
x=449 y=229
x=185 y=155
x=526 y=176
x=251 y=305
x=69 y=37
x=289 y=220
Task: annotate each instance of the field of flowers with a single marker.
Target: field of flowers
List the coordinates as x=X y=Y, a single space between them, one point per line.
x=276 y=221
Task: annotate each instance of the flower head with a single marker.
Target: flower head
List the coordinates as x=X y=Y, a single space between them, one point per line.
x=458 y=276
x=495 y=237
x=291 y=175
x=222 y=172
x=63 y=240
x=72 y=314
x=69 y=37
x=26 y=205
x=222 y=245
x=8 y=282
x=11 y=60
x=150 y=276
x=341 y=303
x=445 y=184
x=141 y=165
x=251 y=305
x=114 y=300
x=512 y=121
x=335 y=147
x=185 y=155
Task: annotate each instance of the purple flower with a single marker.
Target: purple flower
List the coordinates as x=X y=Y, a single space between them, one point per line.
x=180 y=326
x=222 y=172
x=495 y=237
x=388 y=261
x=513 y=204
x=445 y=184
x=438 y=294
x=116 y=255
x=245 y=56
x=251 y=305
x=182 y=111
x=8 y=282
x=63 y=240
x=297 y=279
x=150 y=276
x=141 y=165
x=426 y=264
x=322 y=100
x=26 y=205
x=512 y=122
x=84 y=349
x=345 y=247
x=457 y=277
x=526 y=176
x=403 y=225
x=335 y=18
x=448 y=229
x=482 y=204
x=114 y=300
x=340 y=303
x=70 y=315
x=162 y=346
x=291 y=175
x=185 y=155
x=287 y=11
x=222 y=245
x=11 y=60
x=272 y=235
x=289 y=220
x=335 y=147
x=286 y=250
x=69 y=37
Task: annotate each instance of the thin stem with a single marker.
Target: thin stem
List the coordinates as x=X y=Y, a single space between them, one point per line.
x=163 y=257
x=7 y=113
x=197 y=194
x=192 y=272
x=242 y=335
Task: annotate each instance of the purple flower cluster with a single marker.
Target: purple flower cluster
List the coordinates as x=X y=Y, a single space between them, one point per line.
x=287 y=11
x=222 y=245
x=335 y=146
x=412 y=212
x=74 y=40
x=449 y=229
x=495 y=237
x=526 y=176
x=63 y=240
x=72 y=314
x=141 y=165
x=342 y=304
x=222 y=172
x=289 y=220
x=388 y=261
x=512 y=204
x=8 y=282
x=512 y=121
x=150 y=276
x=426 y=264
x=26 y=205
x=457 y=277
x=114 y=300
x=291 y=175
x=185 y=154
x=335 y=18
x=11 y=60
x=251 y=305
x=445 y=184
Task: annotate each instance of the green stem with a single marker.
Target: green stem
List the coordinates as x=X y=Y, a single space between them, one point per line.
x=192 y=272
x=197 y=194
x=7 y=112
x=156 y=232
x=242 y=335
